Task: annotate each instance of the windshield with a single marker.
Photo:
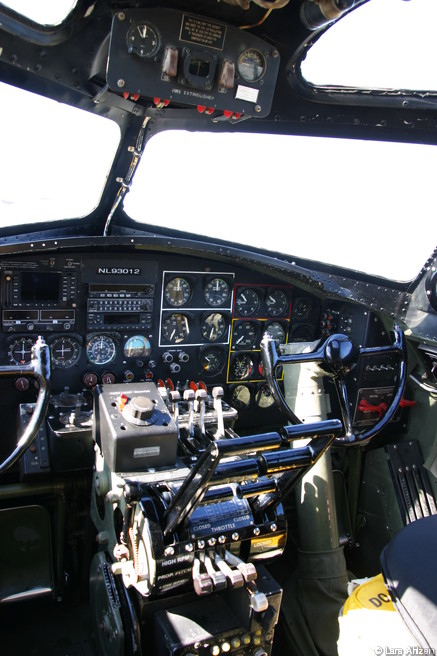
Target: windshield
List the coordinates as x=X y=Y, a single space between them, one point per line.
x=402 y=53
x=63 y=157
x=339 y=201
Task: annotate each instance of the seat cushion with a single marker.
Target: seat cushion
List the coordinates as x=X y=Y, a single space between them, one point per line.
x=410 y=573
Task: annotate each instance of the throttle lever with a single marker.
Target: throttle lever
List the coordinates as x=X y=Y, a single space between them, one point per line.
x=248 y=570
x=217 y=577
x=234 y=576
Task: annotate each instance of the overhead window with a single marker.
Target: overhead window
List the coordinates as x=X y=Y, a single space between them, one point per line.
x=387 y=44
x=44 y=12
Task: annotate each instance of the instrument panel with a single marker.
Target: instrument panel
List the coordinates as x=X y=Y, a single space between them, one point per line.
x=174 y=56
x=121 y=319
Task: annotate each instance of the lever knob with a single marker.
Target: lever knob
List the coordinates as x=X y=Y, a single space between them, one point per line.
x=140 y=408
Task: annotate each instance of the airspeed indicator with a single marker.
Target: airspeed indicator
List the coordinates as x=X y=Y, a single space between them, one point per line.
x=101 y=349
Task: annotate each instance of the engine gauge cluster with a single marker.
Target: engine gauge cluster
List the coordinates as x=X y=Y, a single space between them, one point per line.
x=258 y=309
x=204 y=301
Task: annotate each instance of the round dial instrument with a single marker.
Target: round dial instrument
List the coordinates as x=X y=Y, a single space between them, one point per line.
x=277 y=332
x=264 y=397
x=241 y=367
x=137 y=346
x=212 y=361
x=143 y=39
x=20 y=350
x=277 y=303
x=175 y=328
x=213 y=327
x=177 y=292
x=65 y=351
x=244 y=335
x=301 y=308
x=216 y=292
x=101 y=349
x=251 y=65
x=240 y=397
x=247 y=302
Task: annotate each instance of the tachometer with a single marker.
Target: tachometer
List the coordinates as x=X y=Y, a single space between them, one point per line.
x=65 y=351
x=177 y=292
x=101 y=349
x=175 y=328
x=247 y=302
x=216 y=292
x=213 y=327
x=20 y=350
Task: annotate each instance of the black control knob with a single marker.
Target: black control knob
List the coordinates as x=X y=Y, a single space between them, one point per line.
x=140 y=408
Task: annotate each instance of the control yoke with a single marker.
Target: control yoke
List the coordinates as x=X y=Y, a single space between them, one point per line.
x=337 y=356
x=39 y=369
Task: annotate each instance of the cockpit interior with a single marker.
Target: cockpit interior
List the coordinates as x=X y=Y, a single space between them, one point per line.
x=218 y=328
